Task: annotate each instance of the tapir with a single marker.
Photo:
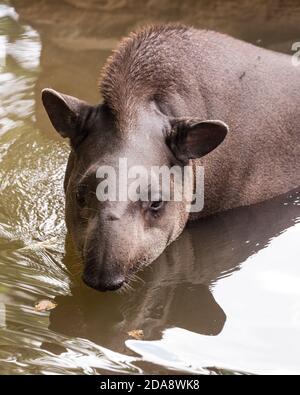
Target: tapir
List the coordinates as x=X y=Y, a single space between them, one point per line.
x=174 y=95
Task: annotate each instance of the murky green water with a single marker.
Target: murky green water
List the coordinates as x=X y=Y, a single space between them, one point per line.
x=223 y=298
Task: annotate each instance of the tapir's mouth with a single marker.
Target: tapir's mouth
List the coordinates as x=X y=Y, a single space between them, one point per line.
x=120 y=282
x=102 y=286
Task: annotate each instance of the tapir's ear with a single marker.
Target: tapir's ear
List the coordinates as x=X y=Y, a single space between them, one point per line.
x=66 y=114
x=191 y=139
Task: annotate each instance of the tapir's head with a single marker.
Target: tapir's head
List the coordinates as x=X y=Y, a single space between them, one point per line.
x=114 y=233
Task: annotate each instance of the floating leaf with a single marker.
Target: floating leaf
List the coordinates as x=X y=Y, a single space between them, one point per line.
x=137 y=334
x=44 y=305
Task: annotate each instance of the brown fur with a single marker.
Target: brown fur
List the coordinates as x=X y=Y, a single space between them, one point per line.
x=130 y=74
x=169 y=92
x=190 y=73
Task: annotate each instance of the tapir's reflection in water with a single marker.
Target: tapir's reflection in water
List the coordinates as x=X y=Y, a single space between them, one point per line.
x=176 y=290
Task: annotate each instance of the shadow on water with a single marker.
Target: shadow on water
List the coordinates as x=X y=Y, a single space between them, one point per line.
x=177 y=290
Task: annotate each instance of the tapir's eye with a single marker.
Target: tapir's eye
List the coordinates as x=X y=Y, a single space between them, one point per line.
x=156 y=205
x=81 y=195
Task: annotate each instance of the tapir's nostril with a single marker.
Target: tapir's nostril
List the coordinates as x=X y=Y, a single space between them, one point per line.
x=115 y=284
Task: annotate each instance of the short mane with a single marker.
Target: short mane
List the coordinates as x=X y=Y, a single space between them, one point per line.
x=144 y=65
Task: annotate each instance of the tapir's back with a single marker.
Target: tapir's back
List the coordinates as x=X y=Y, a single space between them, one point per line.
x=203 y=74
x=257 y=93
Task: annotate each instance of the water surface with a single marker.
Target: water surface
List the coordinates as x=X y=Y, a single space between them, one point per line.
x=222 y=299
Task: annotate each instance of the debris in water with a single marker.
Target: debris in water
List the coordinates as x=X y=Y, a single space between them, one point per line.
x=137 y=334
x=44 y=305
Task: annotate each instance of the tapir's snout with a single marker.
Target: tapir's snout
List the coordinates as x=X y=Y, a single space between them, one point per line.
x=101 y=283
x=101 y=278
x=111 y=284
